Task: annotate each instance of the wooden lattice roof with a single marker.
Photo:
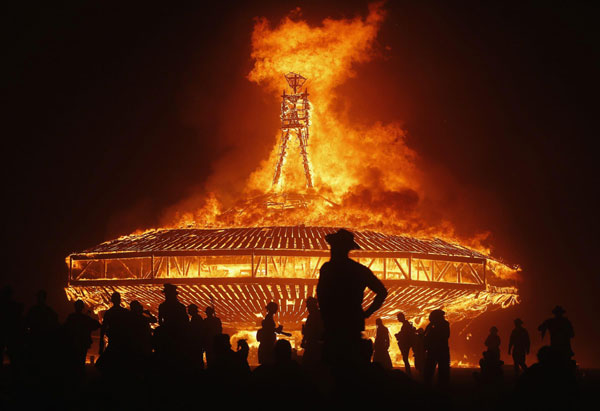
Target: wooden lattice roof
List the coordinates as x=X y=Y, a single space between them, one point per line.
x=270 y=239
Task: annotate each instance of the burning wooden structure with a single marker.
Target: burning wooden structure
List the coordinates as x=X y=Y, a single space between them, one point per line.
x=242 y=269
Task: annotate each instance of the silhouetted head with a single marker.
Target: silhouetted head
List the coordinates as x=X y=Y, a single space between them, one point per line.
x=401 y=317
x=494 y=330
x=558 y=311
x=341 y=241
x=192 y=309
x=283 y=351
x=378 y=322
x=78 y=306
x=41 y=296
x=518 y=322
x=135 y=307
x=312 y=304
x=115 y=298
x=221 y=344
x=366 y=350
x=272 y=307
x=169 y=290
x=209 y=311
x=548 y=355
x=436 y=315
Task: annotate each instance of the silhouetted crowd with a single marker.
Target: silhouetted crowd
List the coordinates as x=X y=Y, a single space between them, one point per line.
x=179 y=356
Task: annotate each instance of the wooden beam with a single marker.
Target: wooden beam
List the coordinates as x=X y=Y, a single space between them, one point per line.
x=443 y=271
x=475 y=274
x=401 y=269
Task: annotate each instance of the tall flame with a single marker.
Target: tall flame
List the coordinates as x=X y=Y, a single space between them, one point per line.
x=367 y=173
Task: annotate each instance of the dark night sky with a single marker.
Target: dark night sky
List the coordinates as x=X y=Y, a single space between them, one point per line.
x=116 y=112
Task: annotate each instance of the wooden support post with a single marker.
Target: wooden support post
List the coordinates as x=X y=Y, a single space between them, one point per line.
x=410 y=267
x=484 y=279
x=152 y=266
x=384 y=268
x=105 y=264
x=253 y=273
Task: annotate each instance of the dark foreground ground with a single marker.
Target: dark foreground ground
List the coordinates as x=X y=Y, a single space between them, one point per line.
x=172 y=391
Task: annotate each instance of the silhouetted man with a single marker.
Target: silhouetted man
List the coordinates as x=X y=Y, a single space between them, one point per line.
x=437 y=350
x=312 y=334
x=212 y=328
x=340 y=292
x=196 y=336
x=267 y=335
x=561 y=332
x=116 y=325
x=406 y=338
x=11 y=314
x=381 y=347
x=41 y=325
x=492 y=342
x=141 y=330
x=78 y=331
x=519 y=345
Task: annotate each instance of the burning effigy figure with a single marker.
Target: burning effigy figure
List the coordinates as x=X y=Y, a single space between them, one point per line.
x=342 y=282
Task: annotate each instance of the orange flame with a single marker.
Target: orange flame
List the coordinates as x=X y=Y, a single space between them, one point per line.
x=365 y=176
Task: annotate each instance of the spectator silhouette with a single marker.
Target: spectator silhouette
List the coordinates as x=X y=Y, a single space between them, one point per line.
x=340 y=293
x=116 y=326
x=212 y=328
x=78 y=329
x=267 y=335
x=141 y=330
x=381 y=347
x=519 y=344
x=196 y=336
x=312 y=335
x=561 y=332
x=229 y=367
x=11 y=313
x=550 y=383
x=171 y=333
x=419 y=350
x=437 y=350
x=283 y=378
x=41 y=325
x=406 y=340
x=492 y=342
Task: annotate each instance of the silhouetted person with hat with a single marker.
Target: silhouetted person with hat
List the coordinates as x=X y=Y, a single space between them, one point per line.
x=312 y=334
x=171 y=334
x=437 y=350
x=381 y=347
x=490 y=364
x=78 y=329
x=267 y=335
x=519 y=345
x=561 y=332
x=406 y=339
x=212 y=328
x=340 y=292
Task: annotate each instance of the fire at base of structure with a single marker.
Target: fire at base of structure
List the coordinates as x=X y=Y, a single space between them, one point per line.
x=242 y=269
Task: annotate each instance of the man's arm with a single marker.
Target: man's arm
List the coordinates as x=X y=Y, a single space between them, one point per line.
x=375 y=285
